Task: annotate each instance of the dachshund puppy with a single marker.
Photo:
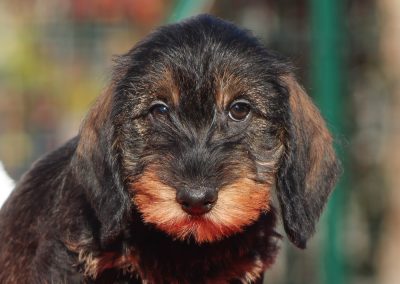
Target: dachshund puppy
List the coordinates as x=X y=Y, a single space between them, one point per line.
x=171 y=177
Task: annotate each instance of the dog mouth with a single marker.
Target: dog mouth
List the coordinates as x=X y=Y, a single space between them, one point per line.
x=204 y=217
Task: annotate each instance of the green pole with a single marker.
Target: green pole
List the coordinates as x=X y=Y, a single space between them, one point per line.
x=328 y=90
x=187 y=8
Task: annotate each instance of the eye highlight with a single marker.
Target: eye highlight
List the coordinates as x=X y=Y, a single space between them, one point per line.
x=159 y=109
x=239 y=110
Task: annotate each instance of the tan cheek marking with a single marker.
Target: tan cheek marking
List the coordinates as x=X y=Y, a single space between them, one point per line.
x=155 y=200
x=239 y=204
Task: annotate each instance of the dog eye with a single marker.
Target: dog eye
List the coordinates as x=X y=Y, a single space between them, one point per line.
x=159 y=109
x=239 y=111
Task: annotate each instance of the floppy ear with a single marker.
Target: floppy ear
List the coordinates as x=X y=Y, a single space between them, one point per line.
x=97 y=168
x=309 y=167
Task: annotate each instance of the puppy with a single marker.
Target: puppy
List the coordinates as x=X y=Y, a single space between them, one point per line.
x=171 y=177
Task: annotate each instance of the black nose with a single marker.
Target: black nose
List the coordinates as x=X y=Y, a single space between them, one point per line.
x=198 y=201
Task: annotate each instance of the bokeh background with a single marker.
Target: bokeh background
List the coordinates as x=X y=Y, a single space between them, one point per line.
x=56 y=57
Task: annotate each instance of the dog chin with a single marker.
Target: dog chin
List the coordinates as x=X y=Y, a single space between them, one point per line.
x=200 y=229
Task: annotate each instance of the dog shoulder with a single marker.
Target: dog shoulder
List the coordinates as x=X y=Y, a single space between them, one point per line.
x=26 y=217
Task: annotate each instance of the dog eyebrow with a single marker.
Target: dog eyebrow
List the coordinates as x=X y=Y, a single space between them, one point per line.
x=167 y=88
x=226 y=90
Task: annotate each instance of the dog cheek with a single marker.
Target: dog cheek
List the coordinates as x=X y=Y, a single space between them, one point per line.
x=240 y=204
x=155 y=200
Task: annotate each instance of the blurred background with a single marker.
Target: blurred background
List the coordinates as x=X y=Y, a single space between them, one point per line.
x=56 y=57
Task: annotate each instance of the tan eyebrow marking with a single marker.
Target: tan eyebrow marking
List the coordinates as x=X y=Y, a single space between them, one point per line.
x=228 y=87
x=167 y=88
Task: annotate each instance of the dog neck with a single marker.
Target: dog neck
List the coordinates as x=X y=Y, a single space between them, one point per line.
x=152 y=256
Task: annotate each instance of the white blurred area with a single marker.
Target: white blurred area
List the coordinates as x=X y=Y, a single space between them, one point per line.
x=6 y=185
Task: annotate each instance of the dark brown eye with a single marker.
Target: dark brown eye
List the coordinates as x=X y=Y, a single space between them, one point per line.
x=159 y=109
x=239 y=111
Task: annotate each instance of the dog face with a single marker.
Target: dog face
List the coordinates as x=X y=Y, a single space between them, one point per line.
x=199 y=126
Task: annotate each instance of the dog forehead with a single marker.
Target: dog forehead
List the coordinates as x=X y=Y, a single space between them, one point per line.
x=197 y=91
x=193 y=89
x=201 y=63
x=199 y=88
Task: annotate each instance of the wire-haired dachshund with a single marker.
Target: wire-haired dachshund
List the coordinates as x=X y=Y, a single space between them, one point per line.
x=172 y=176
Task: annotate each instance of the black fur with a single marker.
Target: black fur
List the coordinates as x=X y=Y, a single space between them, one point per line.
x=74 y=218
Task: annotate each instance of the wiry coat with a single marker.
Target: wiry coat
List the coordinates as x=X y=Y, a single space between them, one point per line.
x=103 y=208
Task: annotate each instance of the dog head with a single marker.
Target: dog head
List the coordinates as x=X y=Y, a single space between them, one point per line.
x=200 y=125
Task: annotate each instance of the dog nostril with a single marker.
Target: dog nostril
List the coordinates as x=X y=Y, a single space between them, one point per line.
x=208 y=205
x=185 y=204
x=197 y=202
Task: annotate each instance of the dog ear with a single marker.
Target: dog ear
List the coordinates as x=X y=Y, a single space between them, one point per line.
x=309 y=167
x=97 y=168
